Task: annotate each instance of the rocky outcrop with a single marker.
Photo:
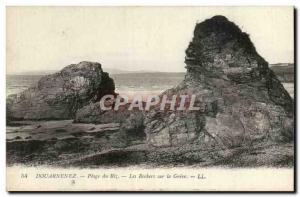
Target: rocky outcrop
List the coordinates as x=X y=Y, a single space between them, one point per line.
x=241 y=100
x=60 y=95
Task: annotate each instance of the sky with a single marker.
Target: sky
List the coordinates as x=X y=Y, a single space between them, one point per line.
x=132 y=38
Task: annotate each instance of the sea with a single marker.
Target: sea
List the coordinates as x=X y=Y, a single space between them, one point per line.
x=128 y=83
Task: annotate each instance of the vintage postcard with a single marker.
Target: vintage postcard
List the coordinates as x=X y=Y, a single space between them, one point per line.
x=150 y=99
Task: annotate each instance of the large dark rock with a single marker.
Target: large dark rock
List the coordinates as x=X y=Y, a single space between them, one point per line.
x=241 y=100
x=60 y=95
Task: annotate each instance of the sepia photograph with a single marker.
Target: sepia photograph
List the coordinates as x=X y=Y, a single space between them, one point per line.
x=150 y=98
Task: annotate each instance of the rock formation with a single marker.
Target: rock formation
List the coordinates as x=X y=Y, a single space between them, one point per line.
x=241 y=101
x=60 y=95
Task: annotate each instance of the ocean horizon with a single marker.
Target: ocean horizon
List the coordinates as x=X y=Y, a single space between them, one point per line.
x=126 y=83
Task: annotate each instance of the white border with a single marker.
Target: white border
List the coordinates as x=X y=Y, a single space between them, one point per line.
x=4 y=3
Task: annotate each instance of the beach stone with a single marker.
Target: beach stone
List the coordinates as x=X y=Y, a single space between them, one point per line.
x=60 y=95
